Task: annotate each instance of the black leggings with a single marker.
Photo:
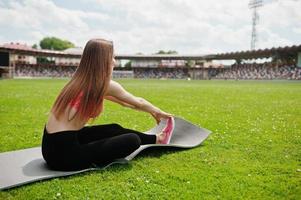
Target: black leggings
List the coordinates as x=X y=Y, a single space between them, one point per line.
x=92 y=145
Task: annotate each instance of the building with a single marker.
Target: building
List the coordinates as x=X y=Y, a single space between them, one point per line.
x=16 y=55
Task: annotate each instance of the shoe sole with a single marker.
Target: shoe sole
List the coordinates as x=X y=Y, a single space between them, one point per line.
x=170 y=128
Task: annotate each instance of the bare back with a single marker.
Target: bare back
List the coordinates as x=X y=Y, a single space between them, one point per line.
x=67 y=122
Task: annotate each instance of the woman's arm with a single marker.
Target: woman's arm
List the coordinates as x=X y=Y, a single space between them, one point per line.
x=118 y=94
x=114 y=99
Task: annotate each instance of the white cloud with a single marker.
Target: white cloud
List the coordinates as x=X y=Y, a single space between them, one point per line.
x=146 y=26
x=297 y=30
x=44 y=18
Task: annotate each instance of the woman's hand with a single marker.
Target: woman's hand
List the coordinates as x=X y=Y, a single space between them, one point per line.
x=159 y=114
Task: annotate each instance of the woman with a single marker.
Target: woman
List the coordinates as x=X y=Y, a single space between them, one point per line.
x=69 y=145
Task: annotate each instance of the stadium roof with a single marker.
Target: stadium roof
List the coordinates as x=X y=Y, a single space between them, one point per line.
x=74 y=50
x=27 y=50
x=162 y=57
x=260 y=53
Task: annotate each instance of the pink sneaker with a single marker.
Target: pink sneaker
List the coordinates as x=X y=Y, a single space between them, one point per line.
x=168 y=130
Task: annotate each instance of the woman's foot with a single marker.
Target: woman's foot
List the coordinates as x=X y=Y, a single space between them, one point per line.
x=165 y=135
x=160 y=137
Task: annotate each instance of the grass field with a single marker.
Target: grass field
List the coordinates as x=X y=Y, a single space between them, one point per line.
x=254 y=151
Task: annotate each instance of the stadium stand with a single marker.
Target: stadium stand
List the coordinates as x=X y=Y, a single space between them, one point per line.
x=20 y=60
x=43 y=71
x=254 y=71
x=27 y=70
x=161 y=73
x=265 y=71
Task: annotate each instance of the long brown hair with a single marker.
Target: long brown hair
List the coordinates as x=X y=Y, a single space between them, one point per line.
x=91 y=77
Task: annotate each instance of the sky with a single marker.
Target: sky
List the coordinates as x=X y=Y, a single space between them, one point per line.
x=186 y=26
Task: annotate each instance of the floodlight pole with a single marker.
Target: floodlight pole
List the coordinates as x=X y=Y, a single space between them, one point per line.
x=254 y=4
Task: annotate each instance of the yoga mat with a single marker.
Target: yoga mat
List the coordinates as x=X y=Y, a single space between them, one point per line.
x=27 y=165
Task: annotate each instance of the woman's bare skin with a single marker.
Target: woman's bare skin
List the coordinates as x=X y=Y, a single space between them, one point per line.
x=160 y=137
x=116 y=93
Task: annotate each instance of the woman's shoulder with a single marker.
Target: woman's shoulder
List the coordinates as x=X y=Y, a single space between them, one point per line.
x=114 y=88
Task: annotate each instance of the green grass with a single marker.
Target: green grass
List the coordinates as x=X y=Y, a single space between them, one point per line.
x=254 y=151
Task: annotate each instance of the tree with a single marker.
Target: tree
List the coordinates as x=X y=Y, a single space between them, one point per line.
x=190 y=63
x=128 y=65
x=35 y=46
x=167 y=52
x=54 y=43
x=161 y=52
x=172 y=52
x=44 y=60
